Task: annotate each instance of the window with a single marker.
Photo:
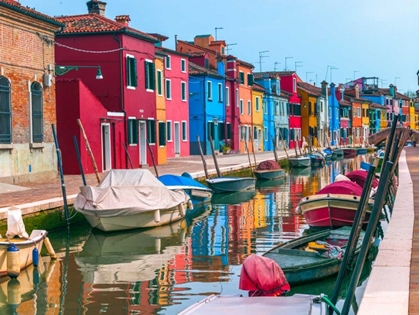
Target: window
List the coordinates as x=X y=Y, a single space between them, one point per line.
x=241 y=77
x=228 y=131
x=37 y=113
x=249 y=107
x=131 y=69
x=219 y=88
x=265 y=134
x=206 y=63
x=168 y=62
x=184 y=131
x=183 y=65
x=5 y=111
x=162 y=133
x=277 y=107
x=169 y=131
x=265 y=107
x=241 y=106
x=255 y=133
x=210 y=129
x=223 y=50
x=183 y=91
x=132 y=131
x=250 y=78
x=149 y=69
x=227 y=96
x=159 y=82
x=237 y=97
x=209 y=88
x=151 y=131
x=358 y=112
x=257 y=104
x=168 y=89
x=294 y=84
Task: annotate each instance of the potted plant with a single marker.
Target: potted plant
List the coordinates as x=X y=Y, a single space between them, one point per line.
x=226 y=147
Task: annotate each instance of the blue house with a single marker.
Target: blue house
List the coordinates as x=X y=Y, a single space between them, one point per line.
x=268 y=108
x=334 y=115
x=206 y=107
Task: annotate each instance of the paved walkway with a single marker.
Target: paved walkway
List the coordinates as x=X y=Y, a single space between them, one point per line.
x=392 y=287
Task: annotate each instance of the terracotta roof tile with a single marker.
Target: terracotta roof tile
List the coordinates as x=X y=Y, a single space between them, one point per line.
x=258 y=87
x=194 y=69
x=95 y=23
x=161 y=37
x=14 y=5
x=246 y=64
x=261 y=75
x=310 y=88
x=218 y=42
x=171 y=51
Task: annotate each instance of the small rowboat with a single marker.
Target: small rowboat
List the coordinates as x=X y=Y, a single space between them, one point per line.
x=300 y=161
x=231 y=184
x=268 y=170
x=349 y=153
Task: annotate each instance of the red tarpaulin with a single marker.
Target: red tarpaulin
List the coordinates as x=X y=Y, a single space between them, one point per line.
x=343 y=188
x=359 y=177
x=268 y=165
x=262 y=276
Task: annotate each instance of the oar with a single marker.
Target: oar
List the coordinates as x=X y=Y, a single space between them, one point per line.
x=202 y=158
x=89 y=150
x=128 y=155
x=249 y=159
x=253 y=151
x=153 y=158
x=284 y=146
x=274 y=150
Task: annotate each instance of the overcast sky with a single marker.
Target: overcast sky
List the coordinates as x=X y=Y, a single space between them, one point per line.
x=371 y=38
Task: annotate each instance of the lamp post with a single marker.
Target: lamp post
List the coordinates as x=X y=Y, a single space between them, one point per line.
x=61 y=70
x=285 y=62
x=215 y=31
x=354 y=74
x=261 y=53
x=227 y=47
x=307 y=75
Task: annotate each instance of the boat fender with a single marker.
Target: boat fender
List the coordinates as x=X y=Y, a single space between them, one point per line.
x=35 y=257
x=13 y=261
x=156 y=216
x=182 y=208
x=190 y=205
x=14 y=297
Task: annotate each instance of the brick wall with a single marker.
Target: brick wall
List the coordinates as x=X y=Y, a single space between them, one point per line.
x=27 y=50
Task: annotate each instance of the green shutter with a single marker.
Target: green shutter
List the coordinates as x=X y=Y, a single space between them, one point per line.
x=134 y=72
x=159 y=83
x=250 y=79
x=162 y=133
x=146 y=75
x=152 y=76
x=127 y=69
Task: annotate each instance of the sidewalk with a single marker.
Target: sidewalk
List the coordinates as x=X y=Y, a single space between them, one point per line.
x=38 y=196
x=392 y=287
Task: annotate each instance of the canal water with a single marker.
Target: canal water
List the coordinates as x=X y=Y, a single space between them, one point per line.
x=166 y=269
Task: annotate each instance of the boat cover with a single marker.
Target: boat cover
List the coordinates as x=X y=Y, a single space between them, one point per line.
x=176 y=180
x=127 y=192
x=342 y=188
x=268 y=165
x=359 y=177
x=262 y=276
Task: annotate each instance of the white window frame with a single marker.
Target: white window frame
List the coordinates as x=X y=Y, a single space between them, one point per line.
x=183 y=65
x=249 y=107
x=294 y=85
x=241 y=106
x=184 y=84
x=220 y=92
x=168 y=58
x=151 y=62
x=130 y=87
x=257 y=104
x=265 y=134
x=237 y=97
x=184 y=122
x=227 y=95
x=168 y=90
x=169 y=131
x=209 y=90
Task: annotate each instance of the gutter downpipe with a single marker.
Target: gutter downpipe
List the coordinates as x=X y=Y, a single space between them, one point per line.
x=122 y=95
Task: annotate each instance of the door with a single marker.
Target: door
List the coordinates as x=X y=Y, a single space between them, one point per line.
x=177 y=139
x=106 y=147
x=143 y=143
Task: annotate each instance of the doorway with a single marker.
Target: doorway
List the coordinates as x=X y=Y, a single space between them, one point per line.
x=142 y=142
x=177 y=139
x=106 y=147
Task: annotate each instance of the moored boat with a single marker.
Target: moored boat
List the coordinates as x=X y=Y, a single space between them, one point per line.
x=231 y=184
x=335 y=205
x=199 y=193
x=337 y=153
x=130 y=199
x=349 y=153
x=312 y=257
x=233 y=198
x=371 y=149
x=268 y=170
x=316 y=159
x=300 y=161
x=360 y=176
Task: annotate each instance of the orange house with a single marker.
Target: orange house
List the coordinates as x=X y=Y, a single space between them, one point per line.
x=357 y=122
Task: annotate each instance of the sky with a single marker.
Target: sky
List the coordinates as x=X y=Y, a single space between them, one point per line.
x=370 y=38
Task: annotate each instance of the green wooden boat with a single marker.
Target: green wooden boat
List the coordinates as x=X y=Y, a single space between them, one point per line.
x=301 y=266
x=269 y=174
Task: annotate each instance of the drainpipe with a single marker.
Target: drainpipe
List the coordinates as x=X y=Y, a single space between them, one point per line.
x=122 y=95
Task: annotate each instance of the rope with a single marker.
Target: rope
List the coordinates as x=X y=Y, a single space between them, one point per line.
x=327 y=300
x=90 y=51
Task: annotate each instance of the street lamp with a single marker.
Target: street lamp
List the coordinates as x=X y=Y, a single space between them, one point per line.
x=61 y=70
x=261 y=53
x=354 y=74
x=285 y=62
x=215 y=31
x=307 y=75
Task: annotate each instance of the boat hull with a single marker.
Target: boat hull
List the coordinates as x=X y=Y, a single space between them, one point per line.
x=231 y=184
x=140 y=220
x=25 y=246
x=361 y=151
x=331 y=210
x=300 y=162
x=349 y=153
x=269 y=174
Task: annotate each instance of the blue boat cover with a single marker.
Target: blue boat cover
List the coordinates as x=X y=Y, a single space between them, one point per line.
x=176 y=180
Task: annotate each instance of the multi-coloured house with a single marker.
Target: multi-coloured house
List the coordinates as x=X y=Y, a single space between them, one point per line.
x=122 y=131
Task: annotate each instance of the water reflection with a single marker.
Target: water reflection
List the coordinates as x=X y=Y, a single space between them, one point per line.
x=164 y=270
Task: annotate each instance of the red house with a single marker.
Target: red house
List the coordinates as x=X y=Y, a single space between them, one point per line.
x=119 y=134
x=288 y=83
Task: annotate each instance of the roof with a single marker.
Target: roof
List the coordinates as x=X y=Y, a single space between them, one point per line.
x=194 y=69
x=16 y=6
x=218 y=42
x=261 y=75
x=310 y=88
x=170 y=51
x=203 y=49
x=204 y=35
x=94 y=23
x=378 y=106
x=258 y=87
x=197 y=53
x=244 y=63
x=402 y=96
x=160 y=37
x=344 y=102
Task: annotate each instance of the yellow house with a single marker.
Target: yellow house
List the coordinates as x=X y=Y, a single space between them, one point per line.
x=257 y=117
x=411 y=112
x=308 y=103
x=160 y=107
x=384 y=119
x=365 y=119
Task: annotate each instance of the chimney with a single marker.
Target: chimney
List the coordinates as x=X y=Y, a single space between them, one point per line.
x=123 y=19
x=356 y=91
x=341 y=89
x=220 y=66
x=392 y=90
x=96 y=6
x=231 y=67
x=324 y=88
x=176 y=42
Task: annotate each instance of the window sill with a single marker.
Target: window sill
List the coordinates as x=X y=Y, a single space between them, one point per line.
x=7 y=146
x=132 y=145
x=184 y=101
x=38 y=145
x=131 y=87
x=150 y=90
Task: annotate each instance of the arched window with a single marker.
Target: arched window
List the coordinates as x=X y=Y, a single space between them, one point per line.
x=37 y=113
x=5 y=111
